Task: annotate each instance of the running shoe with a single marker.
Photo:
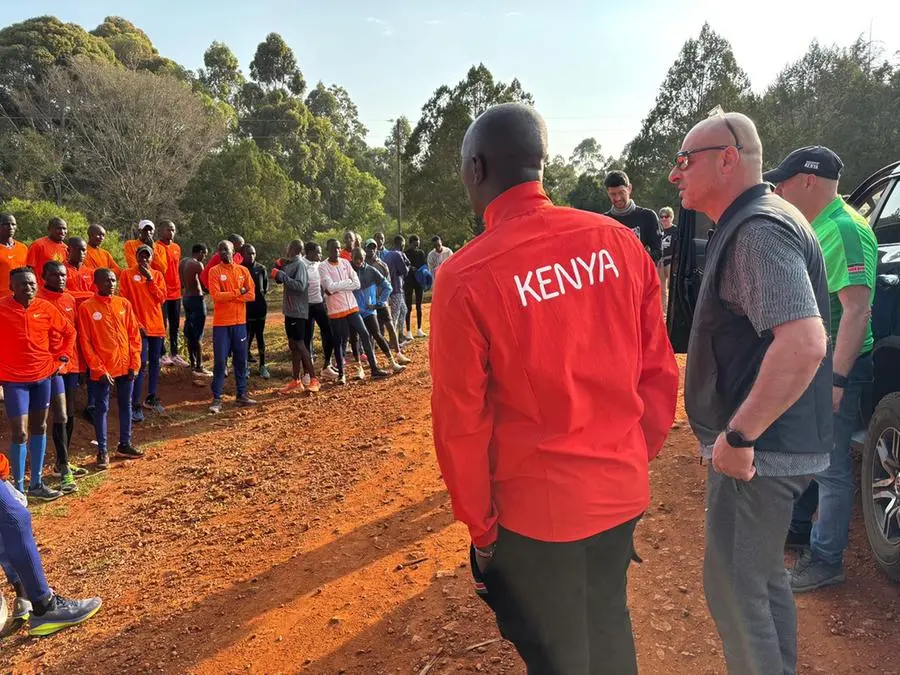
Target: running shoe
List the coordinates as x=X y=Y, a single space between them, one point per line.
x=314 y=385
x=63 y=613
x=264 y=372
x=329 y=374
x=165 y=360
x=179 y=361
x=245 y=401
x=77 y=471
x=420 y=333
x=129 y=451
x=305 y=380
x=342 y=379
x=291 y=387
x=202 y=372
x=363 y=358
x=403 y=359
x=378 y=373
x=21 y=609
x=216 y=406
x=42 y=493
x=137 y=415
x=397 y=368
x=153 y=403
x=102 y=460
x=67 y=484
x=360 y=372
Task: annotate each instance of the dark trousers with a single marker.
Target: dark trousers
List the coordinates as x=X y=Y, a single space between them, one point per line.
x=341 y=330
x=101 y=412
x=318 y=315
x=62 y=431
x=151 y=350
x=564 y=605
x=194 y=323
x=229 y=341
x=374 y=329
x=172 y=317
x=256 y=329
x=412 y=287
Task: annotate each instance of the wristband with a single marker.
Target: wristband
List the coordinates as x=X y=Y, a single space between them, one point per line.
x=839 y=381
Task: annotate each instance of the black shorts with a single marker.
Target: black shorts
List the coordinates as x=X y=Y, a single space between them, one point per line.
x=295 y=328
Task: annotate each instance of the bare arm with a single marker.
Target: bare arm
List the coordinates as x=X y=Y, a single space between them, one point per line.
x=786 y=371
x=857 y=311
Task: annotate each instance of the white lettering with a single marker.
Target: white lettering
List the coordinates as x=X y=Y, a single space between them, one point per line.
x=542 y=282
x=589 y=270
x=607 y=263
x=526 y=287
x=602 y=260
x=561 y=272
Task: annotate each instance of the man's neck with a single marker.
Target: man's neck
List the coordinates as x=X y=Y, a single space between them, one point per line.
x=53 y=290
x=9 y=242
x=93 y=245
x=818 y=205
x=77 y=267
x=25 y=302
x=727 y=197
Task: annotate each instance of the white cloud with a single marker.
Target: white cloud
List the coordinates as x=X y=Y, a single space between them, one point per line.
x=386 y=29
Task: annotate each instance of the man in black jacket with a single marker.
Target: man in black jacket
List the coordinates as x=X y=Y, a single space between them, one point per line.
x=643 y=222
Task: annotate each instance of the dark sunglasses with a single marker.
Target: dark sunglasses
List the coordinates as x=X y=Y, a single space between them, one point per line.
x=683 y=158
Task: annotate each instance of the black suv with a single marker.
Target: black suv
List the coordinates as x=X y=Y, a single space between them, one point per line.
x=878 y=199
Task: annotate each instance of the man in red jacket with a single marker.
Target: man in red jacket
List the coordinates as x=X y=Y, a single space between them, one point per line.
x=545 y=455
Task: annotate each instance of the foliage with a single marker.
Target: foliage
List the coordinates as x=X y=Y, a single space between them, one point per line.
x=130 y=141
x=274 y=66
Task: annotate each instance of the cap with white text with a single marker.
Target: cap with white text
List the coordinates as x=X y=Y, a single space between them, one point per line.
x=814 y=159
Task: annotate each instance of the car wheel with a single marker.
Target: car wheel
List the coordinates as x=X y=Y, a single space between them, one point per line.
x=881 y=485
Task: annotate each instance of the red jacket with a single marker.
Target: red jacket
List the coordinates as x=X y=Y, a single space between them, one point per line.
x=554 y=382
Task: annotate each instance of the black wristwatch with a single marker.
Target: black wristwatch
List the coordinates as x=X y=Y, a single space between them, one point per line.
x=736 y=439
x=839 y=381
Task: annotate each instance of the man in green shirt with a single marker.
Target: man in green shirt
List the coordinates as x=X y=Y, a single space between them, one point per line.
x=808 y=178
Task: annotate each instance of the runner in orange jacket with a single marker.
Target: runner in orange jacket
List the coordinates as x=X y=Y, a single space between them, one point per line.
x=146 y=230
x=99 y=257
x=172 y=306
x=35 y=344
x=110 y=340
x=79 y=275
x=64 y=385
x=145 y=288
x=13 y=253
x=51 y=247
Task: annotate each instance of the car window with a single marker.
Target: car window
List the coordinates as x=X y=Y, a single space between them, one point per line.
x=887 y=227
x=870 y=201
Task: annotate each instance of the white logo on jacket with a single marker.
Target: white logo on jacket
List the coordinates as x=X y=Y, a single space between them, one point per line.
x=600 y=262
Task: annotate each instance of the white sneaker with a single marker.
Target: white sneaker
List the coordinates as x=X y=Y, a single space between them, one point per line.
x=360 y=372
x=420 y=333
x=403 y=359
x=305 y=380
x=165 y=360
x=178 y=361
x=329 y=374
x=397 y=368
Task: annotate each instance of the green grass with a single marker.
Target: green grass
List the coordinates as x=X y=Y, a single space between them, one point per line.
x=60 y=507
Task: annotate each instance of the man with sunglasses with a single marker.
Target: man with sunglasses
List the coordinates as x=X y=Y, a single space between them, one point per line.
x=643 y=222
x=757 y=385
x=667 y=220
x=808 y=179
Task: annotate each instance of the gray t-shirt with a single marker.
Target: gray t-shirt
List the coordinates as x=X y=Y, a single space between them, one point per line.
x=764 y=278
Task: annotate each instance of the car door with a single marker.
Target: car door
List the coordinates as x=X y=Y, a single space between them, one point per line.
x=688 y=261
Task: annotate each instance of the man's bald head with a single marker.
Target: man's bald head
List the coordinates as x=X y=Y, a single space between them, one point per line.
x=720 y=158
x=505 y=146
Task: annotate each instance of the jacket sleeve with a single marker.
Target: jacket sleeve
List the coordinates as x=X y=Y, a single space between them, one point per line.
x=658 y=384
x=91 y=356
x=134 y=339
x=462 y=419
x=160 y=260
x=351 y=283
x=651 y=233
x=157 y=286
x=384 y=291
x=67 y=334
x=265 y=282
x=246 y=282
x=298 y=283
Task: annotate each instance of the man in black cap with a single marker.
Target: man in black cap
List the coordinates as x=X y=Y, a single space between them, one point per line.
x=808 y=178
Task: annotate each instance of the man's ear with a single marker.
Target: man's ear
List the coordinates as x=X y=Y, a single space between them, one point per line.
x=479 y=169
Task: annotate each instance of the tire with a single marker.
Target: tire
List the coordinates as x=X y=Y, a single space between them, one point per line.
x=881 y=464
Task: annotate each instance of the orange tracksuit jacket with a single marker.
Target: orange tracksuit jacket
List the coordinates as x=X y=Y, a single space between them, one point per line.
x=109 y=336
x=11 y=257
x=33 y=340
x=42 y=251
x=67 y=305
x=225 y=283
x=173 y=278
x=100 y=258
x=146 y=298
x=80 y=282
x=159 y=261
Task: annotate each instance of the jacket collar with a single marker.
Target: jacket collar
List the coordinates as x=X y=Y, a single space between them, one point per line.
x=516 y=201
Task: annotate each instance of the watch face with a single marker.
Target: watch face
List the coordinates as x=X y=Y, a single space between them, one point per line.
x=736 y=440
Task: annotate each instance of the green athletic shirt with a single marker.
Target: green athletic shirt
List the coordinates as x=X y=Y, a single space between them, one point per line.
x=851 y=257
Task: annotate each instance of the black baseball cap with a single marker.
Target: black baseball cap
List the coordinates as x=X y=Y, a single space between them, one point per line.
x=815 y=159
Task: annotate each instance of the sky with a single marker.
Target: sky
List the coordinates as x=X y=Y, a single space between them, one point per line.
x=593 y=66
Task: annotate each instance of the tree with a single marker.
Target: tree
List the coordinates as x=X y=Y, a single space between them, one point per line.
x=434 y=192
x=30 y=49
x=335 y=105
x=588 y=157
x=704 y=75
x=241 y=184
x=560 y=179
x=221 y=76
x=129 y=141
x=274 y=65
x=589 y=194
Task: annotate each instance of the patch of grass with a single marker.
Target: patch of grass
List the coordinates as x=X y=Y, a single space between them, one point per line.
x=60 y=507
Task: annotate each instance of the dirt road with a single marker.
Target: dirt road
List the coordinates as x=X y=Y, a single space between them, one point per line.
x=314 y=535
